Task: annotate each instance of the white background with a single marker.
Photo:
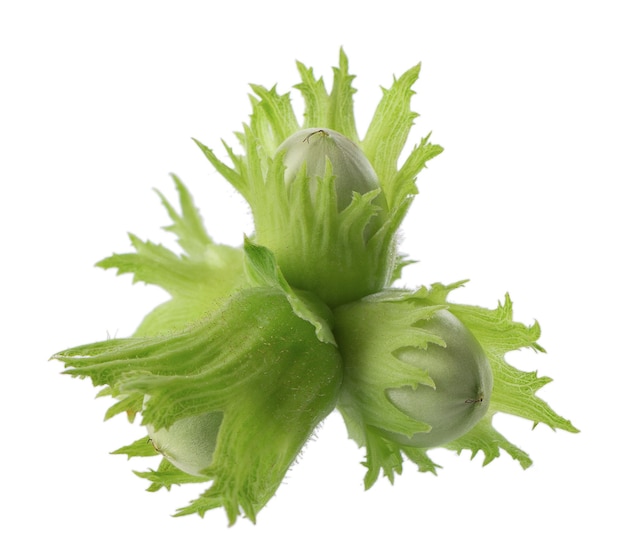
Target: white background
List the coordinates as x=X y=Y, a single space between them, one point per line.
x=98 y=102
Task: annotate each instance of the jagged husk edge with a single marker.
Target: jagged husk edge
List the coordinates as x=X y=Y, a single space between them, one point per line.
x=330 y=244
x=266 y=342
x=514 y=391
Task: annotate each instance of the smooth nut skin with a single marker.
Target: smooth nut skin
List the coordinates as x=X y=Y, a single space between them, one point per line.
x=189 y=443
x=352 y=170
x=463 y=380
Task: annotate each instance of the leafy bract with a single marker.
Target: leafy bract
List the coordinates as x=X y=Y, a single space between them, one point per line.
x=199 y=279
x=336 y=258
x=514 y=391
x=258 y=343
x=255 y=360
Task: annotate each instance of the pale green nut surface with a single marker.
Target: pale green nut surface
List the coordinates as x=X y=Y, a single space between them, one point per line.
x=351 y=168
x=189 y=443
x=463 y=384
